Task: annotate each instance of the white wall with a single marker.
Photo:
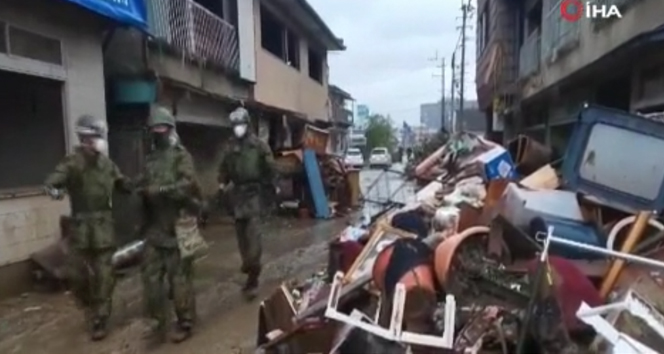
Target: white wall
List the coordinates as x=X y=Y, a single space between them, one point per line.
x=246 y=31
x=28 y=224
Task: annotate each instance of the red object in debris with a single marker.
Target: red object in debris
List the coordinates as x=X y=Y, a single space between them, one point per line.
x=424 y=166
x=446 y=251
x=350 y=250
x=421 y=276
x=572 y=287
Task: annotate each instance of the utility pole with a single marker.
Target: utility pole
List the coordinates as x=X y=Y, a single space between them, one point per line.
x=466 y=10
x=453 y=127
x=442 y=95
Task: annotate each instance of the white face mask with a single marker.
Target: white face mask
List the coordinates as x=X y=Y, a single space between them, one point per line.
x=173 y=139
x=240 y=130
x=100 y=145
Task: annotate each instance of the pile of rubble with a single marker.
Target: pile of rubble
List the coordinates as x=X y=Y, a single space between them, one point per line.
x=498 y=255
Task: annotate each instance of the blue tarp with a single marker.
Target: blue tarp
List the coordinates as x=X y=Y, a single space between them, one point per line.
x=128 y=12
x=316 y=186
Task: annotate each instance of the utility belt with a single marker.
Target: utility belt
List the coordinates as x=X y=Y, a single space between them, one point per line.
x=91 y=215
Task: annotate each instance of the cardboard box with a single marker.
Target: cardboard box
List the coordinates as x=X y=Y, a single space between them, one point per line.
x=497 y=164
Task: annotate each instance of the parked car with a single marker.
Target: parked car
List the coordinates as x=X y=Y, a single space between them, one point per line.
x=354 y=158
x=380 y=157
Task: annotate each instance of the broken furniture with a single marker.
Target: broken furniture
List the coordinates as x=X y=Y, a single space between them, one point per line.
x=529 y=155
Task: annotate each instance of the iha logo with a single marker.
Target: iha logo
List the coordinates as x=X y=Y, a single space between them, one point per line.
x=574 y=10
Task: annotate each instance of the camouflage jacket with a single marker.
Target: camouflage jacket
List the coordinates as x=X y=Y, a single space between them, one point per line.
x=170 y=177
x=247 y=163
x=89 y=182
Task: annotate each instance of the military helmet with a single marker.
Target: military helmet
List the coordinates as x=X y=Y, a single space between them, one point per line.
x=90 y=125
x=239 y=116
x=161 y=116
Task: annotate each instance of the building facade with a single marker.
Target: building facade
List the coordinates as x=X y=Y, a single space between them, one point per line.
x=562 y=65
x=497 y=50
x=431 y=115
x=341 y=104
x=51 y=72
x=614 y=62
x=291 y=48
x=207 y=58
x=199 y=58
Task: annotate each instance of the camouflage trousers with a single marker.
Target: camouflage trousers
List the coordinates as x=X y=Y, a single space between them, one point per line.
x=249 y=243
x=166 y=275
x=93 y=280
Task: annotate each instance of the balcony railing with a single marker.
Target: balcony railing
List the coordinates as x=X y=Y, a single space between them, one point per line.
x=530 y=55
x=558 y=34
x=194 y=32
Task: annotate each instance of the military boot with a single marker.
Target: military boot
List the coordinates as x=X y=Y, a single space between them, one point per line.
x=99 y=329
x=181 y=332
x=250 y=289
x=156 y=333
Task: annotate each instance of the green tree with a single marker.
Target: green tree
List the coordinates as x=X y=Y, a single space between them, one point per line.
x=379 y=132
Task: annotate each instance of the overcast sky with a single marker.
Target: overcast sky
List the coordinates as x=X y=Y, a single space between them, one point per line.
x=390 y=43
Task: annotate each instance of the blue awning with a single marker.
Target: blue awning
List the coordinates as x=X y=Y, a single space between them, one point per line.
x=128 y=12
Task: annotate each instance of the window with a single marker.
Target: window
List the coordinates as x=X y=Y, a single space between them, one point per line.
x=3 y=37
x=34 y=46
x=278 y=40
x=272 y=34
x=216 y=7
x=315 y=66
x=534 y=18
x=379 y=151
x=32 y=119
x=354 y=152
x=292 y=50
x=483 y=32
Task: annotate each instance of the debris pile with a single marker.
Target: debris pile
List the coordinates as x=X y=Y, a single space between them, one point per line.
x=313 y=181
x=498 y=255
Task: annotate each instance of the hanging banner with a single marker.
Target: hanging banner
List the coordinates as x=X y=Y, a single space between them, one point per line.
x=128 y=12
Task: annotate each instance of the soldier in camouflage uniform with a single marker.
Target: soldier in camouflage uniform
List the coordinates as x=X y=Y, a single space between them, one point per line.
x=247 y=165
x=90 y=177
x=169 y=187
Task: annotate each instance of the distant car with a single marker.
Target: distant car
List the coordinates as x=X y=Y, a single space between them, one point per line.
x=354 y=158
x=380 y=157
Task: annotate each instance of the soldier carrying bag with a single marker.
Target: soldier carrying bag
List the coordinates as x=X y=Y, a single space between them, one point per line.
x=190 y=241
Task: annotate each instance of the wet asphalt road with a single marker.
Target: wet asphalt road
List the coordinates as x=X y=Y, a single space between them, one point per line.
x=50 y=323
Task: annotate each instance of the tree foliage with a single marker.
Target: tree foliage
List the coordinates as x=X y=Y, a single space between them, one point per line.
x=380 y=132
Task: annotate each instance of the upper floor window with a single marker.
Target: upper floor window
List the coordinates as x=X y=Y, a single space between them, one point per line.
x=316 y=66
x=3 y=37
x=483 y=30
x=32 y=45
x=279 y=40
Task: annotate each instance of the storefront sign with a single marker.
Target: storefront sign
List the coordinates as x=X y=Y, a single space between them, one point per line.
x=128 y=12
